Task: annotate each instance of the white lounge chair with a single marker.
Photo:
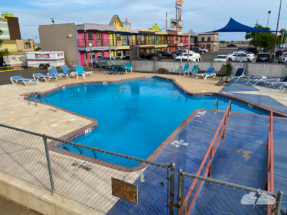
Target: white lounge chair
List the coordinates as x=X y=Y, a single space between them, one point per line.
x=239 y=74
x=86 y=72
x=67 y=71
x=274 y=84
x=25 y=81
x=208 y=73
x=45 y=77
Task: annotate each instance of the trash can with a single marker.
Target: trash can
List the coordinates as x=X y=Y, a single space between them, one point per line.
x=273 y=60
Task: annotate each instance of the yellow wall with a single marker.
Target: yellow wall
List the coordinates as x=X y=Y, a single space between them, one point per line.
x=10 y=47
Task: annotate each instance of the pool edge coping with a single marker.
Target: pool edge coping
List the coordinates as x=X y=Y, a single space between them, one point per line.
x=94 y=123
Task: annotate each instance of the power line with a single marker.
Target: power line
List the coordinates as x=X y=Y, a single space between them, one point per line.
x=223 y=8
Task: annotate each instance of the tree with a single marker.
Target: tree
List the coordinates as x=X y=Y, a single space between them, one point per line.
x=222 y=41
x=261 y=39
x=3 y=52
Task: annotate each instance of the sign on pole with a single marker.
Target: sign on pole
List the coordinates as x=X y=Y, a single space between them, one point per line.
x=125 y=190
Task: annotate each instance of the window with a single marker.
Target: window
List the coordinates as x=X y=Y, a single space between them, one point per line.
x=90 y=36
x=27 y=45
x=202 y=38
x=142 y=37
x=119 y=53
x=208 y=38
x=118 y=37
x=124 y=38
x=92 y=55
x=98 y=36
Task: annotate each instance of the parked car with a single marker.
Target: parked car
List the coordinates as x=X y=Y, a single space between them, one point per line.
x=205 y=50
x=221 y=58
x=197 y=50
x=151 y=56
x=96 y=63
x=283 y=58
x=126 y=58
x=264 y=57
x=192 y=57
x=253 y=50
x=231 y=45
x=166 y=54
x=177 y=52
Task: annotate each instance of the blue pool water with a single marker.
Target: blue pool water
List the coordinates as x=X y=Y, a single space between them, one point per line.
x=134 y=117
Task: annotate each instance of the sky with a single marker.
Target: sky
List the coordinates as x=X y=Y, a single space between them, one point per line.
x=199 y=15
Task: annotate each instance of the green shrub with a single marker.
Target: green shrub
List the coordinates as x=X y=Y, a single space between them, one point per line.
x=229 y=69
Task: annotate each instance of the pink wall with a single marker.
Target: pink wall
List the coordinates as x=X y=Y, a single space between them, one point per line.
x=105 y=39
x=82 y=58
x=106 y=53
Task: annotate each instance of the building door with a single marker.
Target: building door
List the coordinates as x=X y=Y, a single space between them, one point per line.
x=208 y=46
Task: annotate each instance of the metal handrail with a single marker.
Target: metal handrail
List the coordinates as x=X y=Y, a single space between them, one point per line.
x=210 y=152
x=216 y=106
x=270 y=167
x=37 y=96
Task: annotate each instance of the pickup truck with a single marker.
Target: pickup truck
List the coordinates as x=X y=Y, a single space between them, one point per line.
x=241 y=57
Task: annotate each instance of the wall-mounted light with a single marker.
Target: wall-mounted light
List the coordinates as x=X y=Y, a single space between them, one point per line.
x=70 y=35
x=52 y=19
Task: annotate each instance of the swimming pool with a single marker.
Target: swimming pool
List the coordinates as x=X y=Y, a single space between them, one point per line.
x=134 y=117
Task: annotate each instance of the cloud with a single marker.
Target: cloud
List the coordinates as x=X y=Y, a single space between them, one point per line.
x=201 y=16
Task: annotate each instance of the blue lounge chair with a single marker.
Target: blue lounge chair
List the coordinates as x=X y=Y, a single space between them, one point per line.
x=209 y=72
x=80 y=71
x=239 y=74
x=284 y=87
x=185 y=69
x=86 y=72
x=67 y=71
x=275 y=83
x=25 y=81
x=53 y=71
x=45 y=77
x=258 y=79
x=194 y=70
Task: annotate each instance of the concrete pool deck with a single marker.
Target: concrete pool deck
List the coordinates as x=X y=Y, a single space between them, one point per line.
x=56 y=122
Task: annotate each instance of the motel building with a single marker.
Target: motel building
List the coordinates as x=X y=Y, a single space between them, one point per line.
x=83 y=43
x=209 y=41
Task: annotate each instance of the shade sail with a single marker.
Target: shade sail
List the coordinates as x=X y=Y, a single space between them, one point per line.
x=234 y=26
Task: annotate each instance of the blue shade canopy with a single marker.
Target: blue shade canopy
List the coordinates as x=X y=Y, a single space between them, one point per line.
x=234 y=26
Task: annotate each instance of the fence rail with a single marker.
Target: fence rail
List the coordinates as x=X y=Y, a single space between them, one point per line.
x=210 y=152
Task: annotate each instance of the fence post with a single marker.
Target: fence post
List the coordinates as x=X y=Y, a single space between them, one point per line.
x=49 y=163
x=100 y=64
x=278 y=202
x=172 y=181
x=179 y=195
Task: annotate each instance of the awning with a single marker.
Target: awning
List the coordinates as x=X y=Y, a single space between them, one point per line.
x=234 y=26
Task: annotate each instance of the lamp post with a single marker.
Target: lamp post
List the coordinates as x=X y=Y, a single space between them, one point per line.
x=52 y=20
x=268 y=17
x=277 y=29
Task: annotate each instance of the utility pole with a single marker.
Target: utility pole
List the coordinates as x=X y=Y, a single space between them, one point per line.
x=188 y=47
x=166 y=21
x=277 y=29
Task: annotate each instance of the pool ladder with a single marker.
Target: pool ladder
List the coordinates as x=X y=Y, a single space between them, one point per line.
x=216 y=105
x=37 y=96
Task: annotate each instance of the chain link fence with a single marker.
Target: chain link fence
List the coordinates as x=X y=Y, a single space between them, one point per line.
x=252 y=69
x=84 y=174
x=211 y=196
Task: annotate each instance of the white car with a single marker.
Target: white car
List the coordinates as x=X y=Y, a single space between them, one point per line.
x=283 y=58
x=221 y=58
x=205 y=50
x=192 y=57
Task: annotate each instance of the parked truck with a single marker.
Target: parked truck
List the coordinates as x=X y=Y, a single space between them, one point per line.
x=45 y=59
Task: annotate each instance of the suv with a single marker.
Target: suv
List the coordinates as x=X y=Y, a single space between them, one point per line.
x=253 y=50
x=151 y=56
x=264 y=57
x=197 y=50
x=177 y=52
x=167 y=54
x=103 y=60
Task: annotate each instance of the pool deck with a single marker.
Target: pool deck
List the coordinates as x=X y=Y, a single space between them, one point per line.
x=198 y=133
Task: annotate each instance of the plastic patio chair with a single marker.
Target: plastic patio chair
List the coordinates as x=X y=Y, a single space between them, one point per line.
x=80 y=71
x=193 y=71
x=129 y=67
x=185 y=69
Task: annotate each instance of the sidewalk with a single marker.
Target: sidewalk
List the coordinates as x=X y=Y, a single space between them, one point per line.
x=9 y=207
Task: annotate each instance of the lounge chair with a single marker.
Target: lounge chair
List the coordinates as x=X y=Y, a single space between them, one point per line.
x=239 y=74
x=45 y=77
x=129 y=67
x=86 y=72
x=67 y=71
x=53 y=71
x=193 y=71
x=258 y=79
x=25 y=81
x=209 y=72
x=274 y=83
x=185 y=69
x=80 y=71
x=284 y=87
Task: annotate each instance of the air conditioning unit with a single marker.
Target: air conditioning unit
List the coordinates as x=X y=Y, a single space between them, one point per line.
x=90 y=44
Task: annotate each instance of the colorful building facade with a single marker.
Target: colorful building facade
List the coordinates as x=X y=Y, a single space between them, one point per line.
x=95 y=40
